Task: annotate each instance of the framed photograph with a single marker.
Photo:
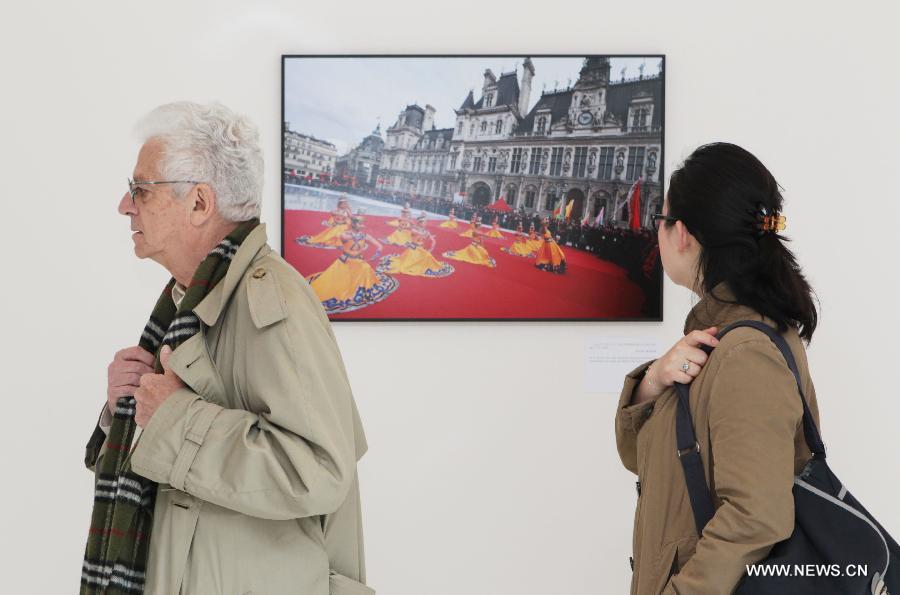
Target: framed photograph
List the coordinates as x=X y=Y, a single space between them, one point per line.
x=463 y=187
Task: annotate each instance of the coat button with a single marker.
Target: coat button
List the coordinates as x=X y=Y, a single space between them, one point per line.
x=259 y=273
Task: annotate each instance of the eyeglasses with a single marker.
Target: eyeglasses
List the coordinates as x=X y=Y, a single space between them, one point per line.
x=657 y=218
x=135 y=187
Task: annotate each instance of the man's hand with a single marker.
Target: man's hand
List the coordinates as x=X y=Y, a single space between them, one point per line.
x=155 y=389
x=123 y=375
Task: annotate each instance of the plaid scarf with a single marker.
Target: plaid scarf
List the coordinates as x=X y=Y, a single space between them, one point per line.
x=118 y=544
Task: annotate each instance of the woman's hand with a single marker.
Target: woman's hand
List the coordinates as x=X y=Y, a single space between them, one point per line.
x=682 y=363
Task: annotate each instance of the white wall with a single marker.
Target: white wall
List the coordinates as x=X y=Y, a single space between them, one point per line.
x=491 y=471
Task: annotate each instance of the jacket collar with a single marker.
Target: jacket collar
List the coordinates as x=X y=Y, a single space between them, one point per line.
x=211 y=306
x=717 y=309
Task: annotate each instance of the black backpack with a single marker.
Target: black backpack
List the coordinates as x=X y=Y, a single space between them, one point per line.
x=836 y=547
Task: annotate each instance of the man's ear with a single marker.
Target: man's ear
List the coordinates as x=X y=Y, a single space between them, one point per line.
x=204 y=204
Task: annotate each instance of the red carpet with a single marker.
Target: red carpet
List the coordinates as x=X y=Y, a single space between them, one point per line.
x=590 y=287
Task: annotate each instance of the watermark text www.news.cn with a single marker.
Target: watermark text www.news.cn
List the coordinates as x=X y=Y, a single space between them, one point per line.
x=801 y=570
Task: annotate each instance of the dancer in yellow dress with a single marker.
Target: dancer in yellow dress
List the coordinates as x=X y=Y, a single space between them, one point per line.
x=450 y=223
x=475 y=252
x=534 y=240
x=522 y=246
x=416 y=259
x=550 y=257
x=350 y=283
x=473 y=228
x=343 y=206
x=336 y=225
x=401 y=236
x=495 y=229
x=404 y=214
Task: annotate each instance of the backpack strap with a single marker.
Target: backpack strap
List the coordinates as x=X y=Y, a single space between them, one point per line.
x=688 y=449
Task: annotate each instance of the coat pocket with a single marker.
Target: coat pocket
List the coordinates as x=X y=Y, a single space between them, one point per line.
x=338 y=584
x=666 y=567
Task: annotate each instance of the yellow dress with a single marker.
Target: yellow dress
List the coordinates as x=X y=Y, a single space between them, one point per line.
x=402 y=236
x=396 y=222
x=469 y=233
x=350 y=283
x=495 y=232
x=416 y=260
x=521 y=247
x=450 y=223
x=328 y=238
x=474 y=253
x=338 y=211
x=535 y=241
x=550 y=257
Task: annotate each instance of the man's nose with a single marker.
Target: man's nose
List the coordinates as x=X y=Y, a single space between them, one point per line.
x=126 y=205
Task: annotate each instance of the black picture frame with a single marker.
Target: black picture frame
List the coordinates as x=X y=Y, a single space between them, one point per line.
x=659 y=285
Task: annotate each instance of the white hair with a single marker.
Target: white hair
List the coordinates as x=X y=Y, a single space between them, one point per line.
x=210 y=144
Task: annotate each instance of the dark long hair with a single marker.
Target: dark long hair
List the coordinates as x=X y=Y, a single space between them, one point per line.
x=717 y=193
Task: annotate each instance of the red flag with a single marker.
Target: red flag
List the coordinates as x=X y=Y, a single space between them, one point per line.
x=635 y=202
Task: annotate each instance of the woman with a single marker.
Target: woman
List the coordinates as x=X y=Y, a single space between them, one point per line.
x=495 y=229
x=473 y=228
x=550 y=256
x=719 y=239
x=337 y=224
x=522 y=246
x=416 y=260
x=474 y=253
x=401 y=236
x=404 y=214
x=350 y=283
x=343 y=208
x=450 y=223
x=534 y=240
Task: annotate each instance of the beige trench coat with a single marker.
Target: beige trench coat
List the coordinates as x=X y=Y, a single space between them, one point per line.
x=256 y=458
x=747 y=416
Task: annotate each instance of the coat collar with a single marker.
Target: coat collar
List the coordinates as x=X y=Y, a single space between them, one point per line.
x=718 y=309
x=211 y=306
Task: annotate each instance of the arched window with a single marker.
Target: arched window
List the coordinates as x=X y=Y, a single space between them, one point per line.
x=552 y=199
x=488 y=100
x=499 y=127
x=484 y=127
x=459 y=128
x=541 y=125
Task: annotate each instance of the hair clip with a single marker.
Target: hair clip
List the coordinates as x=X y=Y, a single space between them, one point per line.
x=768 y=223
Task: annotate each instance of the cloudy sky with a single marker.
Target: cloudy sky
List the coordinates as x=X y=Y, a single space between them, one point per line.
x=342 y=99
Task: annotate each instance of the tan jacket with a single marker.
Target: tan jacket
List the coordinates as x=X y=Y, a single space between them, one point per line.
x=256 y=458
x=747 y=416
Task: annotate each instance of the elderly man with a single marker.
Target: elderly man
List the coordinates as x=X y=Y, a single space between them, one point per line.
x=225 y=457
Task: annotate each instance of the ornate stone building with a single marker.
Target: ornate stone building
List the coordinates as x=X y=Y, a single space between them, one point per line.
x=306 y=155
x=415 y=158
x=364 y=161
x=586 y=144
